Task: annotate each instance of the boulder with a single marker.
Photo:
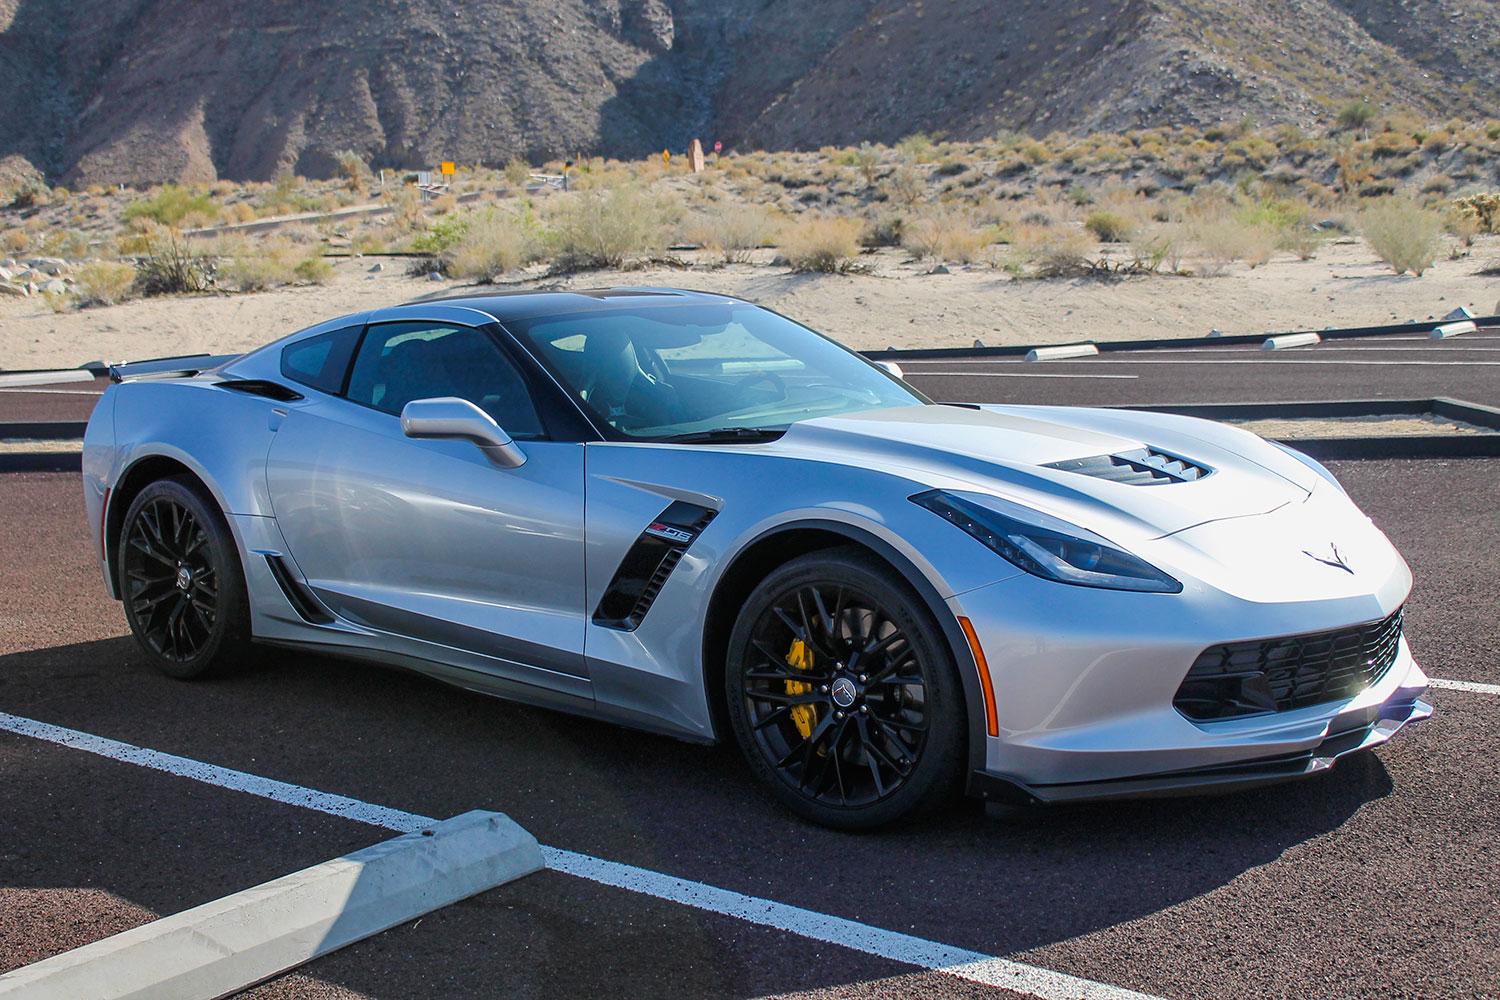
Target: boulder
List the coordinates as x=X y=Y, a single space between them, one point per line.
x=55 y=287
x=6 y=273
x=15 y=291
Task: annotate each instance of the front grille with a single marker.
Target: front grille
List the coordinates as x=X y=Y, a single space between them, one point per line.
x=1141 y=467
x=1278 y=675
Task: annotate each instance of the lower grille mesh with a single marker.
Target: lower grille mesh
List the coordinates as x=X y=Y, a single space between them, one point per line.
x=1278 y=675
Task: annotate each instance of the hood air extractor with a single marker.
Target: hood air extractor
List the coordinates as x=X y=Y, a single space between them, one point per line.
x=1141 y=467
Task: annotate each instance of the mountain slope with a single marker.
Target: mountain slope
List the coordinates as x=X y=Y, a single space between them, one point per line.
x=148 y=90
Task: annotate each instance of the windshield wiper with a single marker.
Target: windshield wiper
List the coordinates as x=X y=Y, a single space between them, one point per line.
x=727 y=435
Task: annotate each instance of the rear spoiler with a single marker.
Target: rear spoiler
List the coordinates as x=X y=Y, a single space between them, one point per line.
x=181 y=366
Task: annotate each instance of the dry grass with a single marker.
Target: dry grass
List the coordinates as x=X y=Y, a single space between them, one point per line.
x=104 y=283
x=493 y=243
x=605 y=227
x=945 y=233
x=1402 y=233
x=1060 y=251
x=1222 y=241
x=733 y=232
x=829 y=244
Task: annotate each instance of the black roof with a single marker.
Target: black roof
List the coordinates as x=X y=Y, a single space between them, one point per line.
x=530 y=303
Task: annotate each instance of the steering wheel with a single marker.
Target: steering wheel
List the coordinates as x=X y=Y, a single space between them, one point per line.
x=774 y=380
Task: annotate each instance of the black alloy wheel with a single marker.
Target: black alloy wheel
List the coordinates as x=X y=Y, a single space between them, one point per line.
x=180 y=579
x=843 y=697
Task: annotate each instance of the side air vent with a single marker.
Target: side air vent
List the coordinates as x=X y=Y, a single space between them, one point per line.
x=308 y=607
x=1142 y=467
x=261 y=387
x=648 y=564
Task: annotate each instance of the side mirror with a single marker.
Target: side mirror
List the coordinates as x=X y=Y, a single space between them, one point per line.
x=453 y=418
x=891 y=368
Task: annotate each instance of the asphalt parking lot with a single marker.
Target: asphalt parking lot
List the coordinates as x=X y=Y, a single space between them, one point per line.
x=1376 y=879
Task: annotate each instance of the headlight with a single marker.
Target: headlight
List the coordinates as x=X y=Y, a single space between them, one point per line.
x=1312 y=464
x=1047 y=547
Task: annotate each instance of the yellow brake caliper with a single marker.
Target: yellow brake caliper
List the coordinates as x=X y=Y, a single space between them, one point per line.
x=799 y=657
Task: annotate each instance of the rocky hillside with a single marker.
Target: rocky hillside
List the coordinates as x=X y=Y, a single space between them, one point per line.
x=141 y=91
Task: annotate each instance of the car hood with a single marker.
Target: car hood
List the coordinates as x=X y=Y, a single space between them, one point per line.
x=1012 y=452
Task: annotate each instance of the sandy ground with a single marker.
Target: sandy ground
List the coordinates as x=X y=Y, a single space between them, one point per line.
x=1353 y=427
x=897 y=304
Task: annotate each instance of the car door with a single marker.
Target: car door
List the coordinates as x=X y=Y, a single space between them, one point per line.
x=428 y=539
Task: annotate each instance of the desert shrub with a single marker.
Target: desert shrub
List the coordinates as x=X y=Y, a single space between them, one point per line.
x=104 y=283
x=1485 y=208
x=315 y=270
x=1356 y=115
x=822 y=243
x=733 y=232
x=493 y=242
x=169 y=264
x=252 y=267
x=1303 y=239
x=1461 y=225
x=1155 y=245
x=1108 y=226
x=170 y=205
x=604 y=227
x=240 y=211
x=441 y=235
x=906 y=186
x=917 y=147
x=885 y=229
x=866 y=159
x=1221 y=241
x=57 y=301
x=1437 y=184
x=1054 y=251
x=14 y=240
x=407 y=214
x=1402 y=233
x=517 y=172
x=355 y=170
x=945 y=233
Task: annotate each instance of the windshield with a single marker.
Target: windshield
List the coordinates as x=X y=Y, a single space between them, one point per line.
x=664 y=371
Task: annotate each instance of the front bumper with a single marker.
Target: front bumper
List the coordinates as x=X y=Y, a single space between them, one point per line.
x=1084 y=689
x=1348 y=732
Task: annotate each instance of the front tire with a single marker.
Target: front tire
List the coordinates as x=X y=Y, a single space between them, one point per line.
x=842 y=693
x=180 y=580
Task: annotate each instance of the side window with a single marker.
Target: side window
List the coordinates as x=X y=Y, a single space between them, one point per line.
x=322 y=360
x=400 y=362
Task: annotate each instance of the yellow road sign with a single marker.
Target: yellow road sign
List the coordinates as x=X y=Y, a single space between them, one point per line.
x=446 y=168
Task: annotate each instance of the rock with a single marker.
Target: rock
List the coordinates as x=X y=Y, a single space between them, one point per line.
x=6 y=273
x=376 y=268
x=54 y=287
x=434 y=276
x=15 y=291
x=780 y=261
x=940 y=269
x=48 y=265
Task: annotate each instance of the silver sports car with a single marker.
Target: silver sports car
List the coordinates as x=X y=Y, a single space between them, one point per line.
x=682 y=512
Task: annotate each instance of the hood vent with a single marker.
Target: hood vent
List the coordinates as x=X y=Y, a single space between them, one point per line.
x=1141 y=467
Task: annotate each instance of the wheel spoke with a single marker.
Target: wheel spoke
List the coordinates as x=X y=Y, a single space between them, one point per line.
x=854 y=754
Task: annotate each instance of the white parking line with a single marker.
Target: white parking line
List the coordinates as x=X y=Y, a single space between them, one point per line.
x=977 y=967
x=1257 y=360
x=1022 y=374
x=1473 y=686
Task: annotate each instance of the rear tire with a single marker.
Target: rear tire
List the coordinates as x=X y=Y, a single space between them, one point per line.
x=180 y=580
x=843 y=695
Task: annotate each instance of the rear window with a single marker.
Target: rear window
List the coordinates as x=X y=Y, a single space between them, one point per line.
x=321 y=361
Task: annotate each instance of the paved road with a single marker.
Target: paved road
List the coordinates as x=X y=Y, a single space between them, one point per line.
x=1378 y=879
x=1376 y=368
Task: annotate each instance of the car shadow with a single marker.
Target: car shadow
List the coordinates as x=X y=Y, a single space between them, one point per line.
x=1000 y=885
